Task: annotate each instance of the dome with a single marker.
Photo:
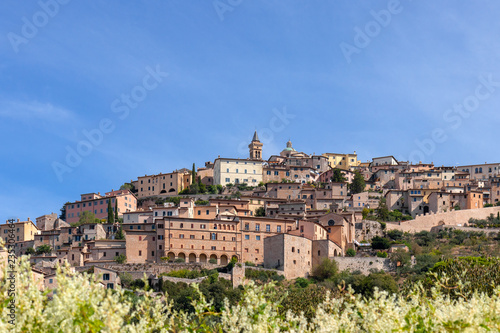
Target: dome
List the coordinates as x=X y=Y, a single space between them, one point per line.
x=289 y=146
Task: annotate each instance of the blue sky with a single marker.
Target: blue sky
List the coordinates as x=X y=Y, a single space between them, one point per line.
x=226 y=68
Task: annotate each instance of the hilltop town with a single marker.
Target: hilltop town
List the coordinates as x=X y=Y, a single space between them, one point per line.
x=286 y=213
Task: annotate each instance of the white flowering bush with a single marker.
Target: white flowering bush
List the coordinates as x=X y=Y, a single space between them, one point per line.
x=79 y=304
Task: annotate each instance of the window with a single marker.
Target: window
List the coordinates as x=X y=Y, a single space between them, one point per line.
x=257 y=237
x=247 y=237
x=105 y=277
x=214 y=236
x=278 y=228
x=257 y=227
x=268 y=228
x=140 y=253
x=181 y=236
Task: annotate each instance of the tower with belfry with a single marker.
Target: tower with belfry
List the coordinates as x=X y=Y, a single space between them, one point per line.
x=255 y=148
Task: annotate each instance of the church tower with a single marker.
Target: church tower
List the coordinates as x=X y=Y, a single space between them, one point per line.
x=255 y=148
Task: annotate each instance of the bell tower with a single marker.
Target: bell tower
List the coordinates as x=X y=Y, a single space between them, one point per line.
x=255 y=148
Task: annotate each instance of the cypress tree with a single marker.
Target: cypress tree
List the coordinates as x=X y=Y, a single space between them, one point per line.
x=116 y=209
x=111 y=216
x=193 y=175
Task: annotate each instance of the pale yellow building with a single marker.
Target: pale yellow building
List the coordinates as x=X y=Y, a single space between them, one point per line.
x=342 y=161
x=19 y=231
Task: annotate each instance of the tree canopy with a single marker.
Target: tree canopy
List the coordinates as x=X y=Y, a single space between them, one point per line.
x=358 y=183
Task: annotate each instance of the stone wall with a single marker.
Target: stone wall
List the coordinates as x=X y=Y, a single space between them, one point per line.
x=363 y=264
x=453 y=218
x=157 y=269
x=487 y=231
x=366 y=230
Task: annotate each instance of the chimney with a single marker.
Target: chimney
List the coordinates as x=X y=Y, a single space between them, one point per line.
x=29 y=219
x=18 y=220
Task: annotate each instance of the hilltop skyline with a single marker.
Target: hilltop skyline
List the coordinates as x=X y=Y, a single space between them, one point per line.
x=172 y=83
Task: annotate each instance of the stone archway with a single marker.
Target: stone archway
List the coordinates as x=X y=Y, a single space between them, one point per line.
x=223 y=260
x=192 y=257
x=203 y=257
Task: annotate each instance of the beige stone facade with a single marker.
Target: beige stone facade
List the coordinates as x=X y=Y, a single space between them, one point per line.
x=162 y=183
x=123 y=200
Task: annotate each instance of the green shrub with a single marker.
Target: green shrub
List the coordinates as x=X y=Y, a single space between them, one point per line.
x=301 y=282
x=121 y=259
x=380 y=243
x=350 y=252
x=381 y=254
x=461 y=277
x=325 y=270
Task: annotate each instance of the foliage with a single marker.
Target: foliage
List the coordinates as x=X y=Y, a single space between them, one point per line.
x=62 y=216
x=126 y=279
x=302 y=282
x=212 y=261
x=121 y=259
x=86 y=218
x=119 y=234
x=175 y=200
x=303 y=300
x=491 y=221
x=30 y=250
x=200 y=202
x=82 y=305
x=395 y=234
x=260 y=211
x=380 y=243
x=381 y=254
x=179 y=260
x=263 y=276
x=365 y=212
x=43 y=249
x=461 y=277
x=350 y=252
x=116 y=211
x=358 y=183
x=338 y=176
x=190 y=274
x=111 y=216
x=326 y=269
x=193 y=175
x=401 y=259
x=128 y=186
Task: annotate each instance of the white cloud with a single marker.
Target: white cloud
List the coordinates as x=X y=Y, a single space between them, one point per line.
x=34 y=110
